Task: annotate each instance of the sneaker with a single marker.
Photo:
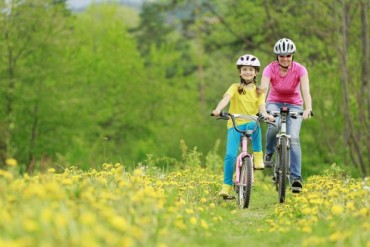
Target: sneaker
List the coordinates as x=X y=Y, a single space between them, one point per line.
x=297 y=186
x=258 y=161
x=226 y=191
x=268 y=161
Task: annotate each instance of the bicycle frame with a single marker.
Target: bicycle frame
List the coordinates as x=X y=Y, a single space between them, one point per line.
x=244 y=153
x=244 y=176
x=282 y=161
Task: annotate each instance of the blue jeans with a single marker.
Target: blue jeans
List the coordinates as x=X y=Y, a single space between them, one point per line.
x=232 y=147
x=293 y=129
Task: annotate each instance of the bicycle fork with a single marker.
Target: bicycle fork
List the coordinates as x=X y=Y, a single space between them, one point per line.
x=278 y=148
x=239 y=161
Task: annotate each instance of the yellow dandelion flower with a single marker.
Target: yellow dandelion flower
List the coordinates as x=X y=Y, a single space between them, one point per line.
x=193 y=220
x=306 y=210
x=180 y=224
x=127 y=242
x=189 y=211
x=136 y=232
x=307 y=229
x=30 y=225
x=200 y=209
x=88 y=218
x=363 y=212
x=336 y=236
x=139 y=172
x=203 y=200
x=350 y=205
x=366 y=226
x=212 y=205
x=161 y=245
x=204 y=224
x=6 y=174
x=11 y=162
x=337 y=209
x=60 y=220
x=46 y=214
x=51 y=170
x=119 y=223
x=67 y=181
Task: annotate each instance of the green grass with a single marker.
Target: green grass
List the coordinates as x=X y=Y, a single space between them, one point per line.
x=150 y=207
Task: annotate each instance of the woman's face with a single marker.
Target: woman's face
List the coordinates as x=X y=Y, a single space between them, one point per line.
x=286 y=60
x=248 y=72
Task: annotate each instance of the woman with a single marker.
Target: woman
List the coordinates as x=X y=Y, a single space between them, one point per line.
x=288 y=82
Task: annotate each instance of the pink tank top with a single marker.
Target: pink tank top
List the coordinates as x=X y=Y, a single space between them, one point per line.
x=285 y=89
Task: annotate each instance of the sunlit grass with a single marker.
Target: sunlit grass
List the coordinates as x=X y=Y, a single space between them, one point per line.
x=332 y=208
x=149 y=207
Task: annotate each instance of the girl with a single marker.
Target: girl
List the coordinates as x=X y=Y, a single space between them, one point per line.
x=244 y=99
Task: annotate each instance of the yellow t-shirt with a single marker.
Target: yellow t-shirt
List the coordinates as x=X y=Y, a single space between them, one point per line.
x=246 y=104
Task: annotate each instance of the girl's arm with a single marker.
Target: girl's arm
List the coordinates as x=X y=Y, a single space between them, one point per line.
x=305 y=87
x=221 y=105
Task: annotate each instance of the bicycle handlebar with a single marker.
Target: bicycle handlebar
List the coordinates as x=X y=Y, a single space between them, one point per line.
x=226 y=116
x=292 y=114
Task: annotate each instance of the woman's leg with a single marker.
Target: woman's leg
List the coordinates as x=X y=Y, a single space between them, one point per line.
x=272 y=130
x=293 y=129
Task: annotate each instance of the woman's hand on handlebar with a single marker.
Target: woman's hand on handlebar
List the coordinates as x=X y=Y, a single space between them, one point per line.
x=269 y=117
x=307 y=114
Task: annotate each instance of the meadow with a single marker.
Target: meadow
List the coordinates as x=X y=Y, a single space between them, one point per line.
x=147 y=206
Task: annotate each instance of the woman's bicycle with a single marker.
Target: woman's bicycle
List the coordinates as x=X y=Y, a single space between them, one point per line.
x=282 y=149
x=244 y=163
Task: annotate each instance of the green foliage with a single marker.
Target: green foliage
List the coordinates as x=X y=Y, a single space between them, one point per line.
x=113 y=85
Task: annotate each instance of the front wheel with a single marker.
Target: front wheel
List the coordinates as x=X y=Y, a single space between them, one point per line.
x=282 y=178
x=245 y=180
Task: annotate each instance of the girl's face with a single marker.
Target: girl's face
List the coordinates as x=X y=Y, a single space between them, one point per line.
x=248 y=72
x=285 y=61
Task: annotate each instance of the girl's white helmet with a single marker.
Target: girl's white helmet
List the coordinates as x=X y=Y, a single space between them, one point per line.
x=248 y=60
x=284 y=47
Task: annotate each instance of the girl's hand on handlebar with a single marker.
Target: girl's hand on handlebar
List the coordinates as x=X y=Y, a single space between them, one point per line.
x=216 y=113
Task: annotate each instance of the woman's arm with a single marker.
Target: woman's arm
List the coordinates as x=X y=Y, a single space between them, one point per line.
x=265 y=83
x=305 y=87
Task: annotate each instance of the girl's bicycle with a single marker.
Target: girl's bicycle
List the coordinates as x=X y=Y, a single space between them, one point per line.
x=244 y=163
x=282 y=149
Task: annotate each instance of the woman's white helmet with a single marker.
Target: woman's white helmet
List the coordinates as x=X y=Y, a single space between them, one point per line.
x=248 y=60
x=284 y=47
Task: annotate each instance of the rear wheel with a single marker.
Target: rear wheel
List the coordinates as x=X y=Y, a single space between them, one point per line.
x=282 y=171
x=245 y=180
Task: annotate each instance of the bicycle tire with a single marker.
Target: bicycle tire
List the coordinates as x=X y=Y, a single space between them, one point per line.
x=283 y=168
x=245 y=180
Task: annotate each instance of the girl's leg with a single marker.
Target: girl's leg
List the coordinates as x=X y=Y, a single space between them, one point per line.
x=256 y=146
x=232 y=146
x=256 y=137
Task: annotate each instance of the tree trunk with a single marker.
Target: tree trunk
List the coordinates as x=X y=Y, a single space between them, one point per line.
x=344 y=70
x=365 y=89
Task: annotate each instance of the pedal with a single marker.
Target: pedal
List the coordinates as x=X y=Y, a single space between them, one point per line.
x=296 y=189
x=227 y=198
